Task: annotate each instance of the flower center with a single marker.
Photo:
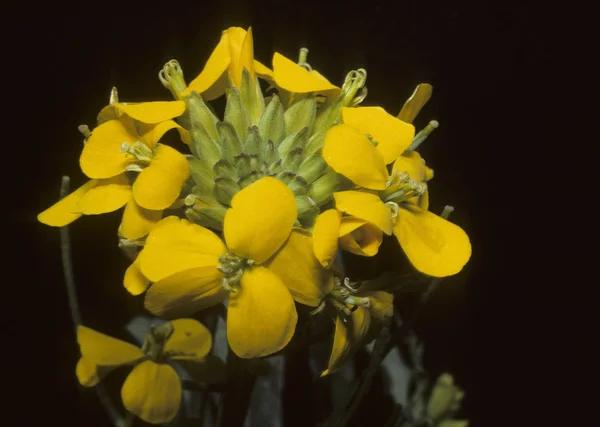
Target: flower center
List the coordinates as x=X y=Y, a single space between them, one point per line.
x=402 y=187
x=140 y=151
x=233 y=267
x=155 y=342
x=343 y=297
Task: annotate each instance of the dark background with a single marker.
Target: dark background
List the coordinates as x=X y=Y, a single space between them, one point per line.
x=485 y=63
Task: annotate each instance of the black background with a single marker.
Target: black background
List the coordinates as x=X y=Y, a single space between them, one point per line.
x=485 y=65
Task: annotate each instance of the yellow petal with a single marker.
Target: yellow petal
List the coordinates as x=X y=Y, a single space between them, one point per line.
x=260 y=220
x=325 y=236
x=215 y=67
x=176 y=245
x=190 y=340
x=393 y=136
x=291 y=76
x=109 y=195
x=101 y=156
x=350 y=153
x=412 y=163
x=105 y=350
x=186 y=292
x=159 y=185
x=134 y=281
x=365 y=206
x=151 y=134
x=67 y=210
x=137 y=221
x=261 y=318
x=432 y=244
x=417 y=100
x=382 y=304
x=101 y=353
x=298 y=268
x=262 y=71
x=359 y=236
x=242 y=55
x=348 y=338
x=152 y=391
x=152 y=112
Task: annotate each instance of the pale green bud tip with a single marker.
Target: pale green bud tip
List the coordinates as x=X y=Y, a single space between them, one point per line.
x=85 y=130
x=190 y=200
x=363 y=302
x=114 y=96
x=303 y=55
x=423 y=134
x=446 y=213
x=171 y=77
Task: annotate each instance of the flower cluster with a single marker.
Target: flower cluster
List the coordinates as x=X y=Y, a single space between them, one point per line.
x=256 y=215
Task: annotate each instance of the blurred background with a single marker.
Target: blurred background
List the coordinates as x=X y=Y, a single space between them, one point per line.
x=482 y=62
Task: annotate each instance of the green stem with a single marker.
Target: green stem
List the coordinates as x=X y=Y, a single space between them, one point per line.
x=67 y=263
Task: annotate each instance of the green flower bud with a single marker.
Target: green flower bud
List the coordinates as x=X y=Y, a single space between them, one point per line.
x=274 y=168
x=307 y=210
x=225 y=189
x=327 y=115
x=250 y=178
x=201 y=173
x=201 y=116
x=301 y=114
x=269 y=153
x=224 y=169
x=253 y=142
x=292 y=161
x=312 y=167
x=315 y=143
x=231 y=145
x=242 y=164
x=271 y=125
x=295 y=140
x=207 y=216
x=252 y=97
x=298 y=185
x=321 y=191
x=285 y=176
x=236 y=114
x=204 y=147
x=444 y=400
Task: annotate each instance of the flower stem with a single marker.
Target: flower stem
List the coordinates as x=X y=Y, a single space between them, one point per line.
x=67 y=263
x=238 y=392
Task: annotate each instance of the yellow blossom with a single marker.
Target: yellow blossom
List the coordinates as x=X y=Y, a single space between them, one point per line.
x=358 y=316
x=193 y=269
x=355 y=235
x=299 y=79
x=123 y=145
x=433 y=245
x=152 y=390
x=224 y=68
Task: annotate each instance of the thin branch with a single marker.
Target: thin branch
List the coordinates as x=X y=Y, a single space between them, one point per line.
x=361 y=388
x=67 y=263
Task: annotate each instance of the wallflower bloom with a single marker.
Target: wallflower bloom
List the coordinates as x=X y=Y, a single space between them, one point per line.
x=224 y=68
x=193 y=269
x=125 y=144
x=332 y=230
x=152 y=391
x=359 y=315
x=433 y=245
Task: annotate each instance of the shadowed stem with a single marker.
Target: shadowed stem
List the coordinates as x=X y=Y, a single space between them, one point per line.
x=238 y=392
x=67 y=263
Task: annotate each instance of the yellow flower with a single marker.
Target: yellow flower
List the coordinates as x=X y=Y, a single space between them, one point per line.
x=152 y=391
x=123 y=145
x=234 y=52
x=332 y=230
x=193 y=269
x=99 y=196
x=359 y=315
x=433 y=245
x=298 y=79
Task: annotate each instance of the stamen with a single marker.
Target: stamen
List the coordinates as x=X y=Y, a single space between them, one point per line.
x=302 y=59
x=85 y=130
x=447 y=211
x=350 y=285
x=363 y=302
x=130 y=243
x=114 y=96
x=423 y=134
x=319 y=308
x=139 y=150
x=355 y=81
x=394 y=208
x=190 y=199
